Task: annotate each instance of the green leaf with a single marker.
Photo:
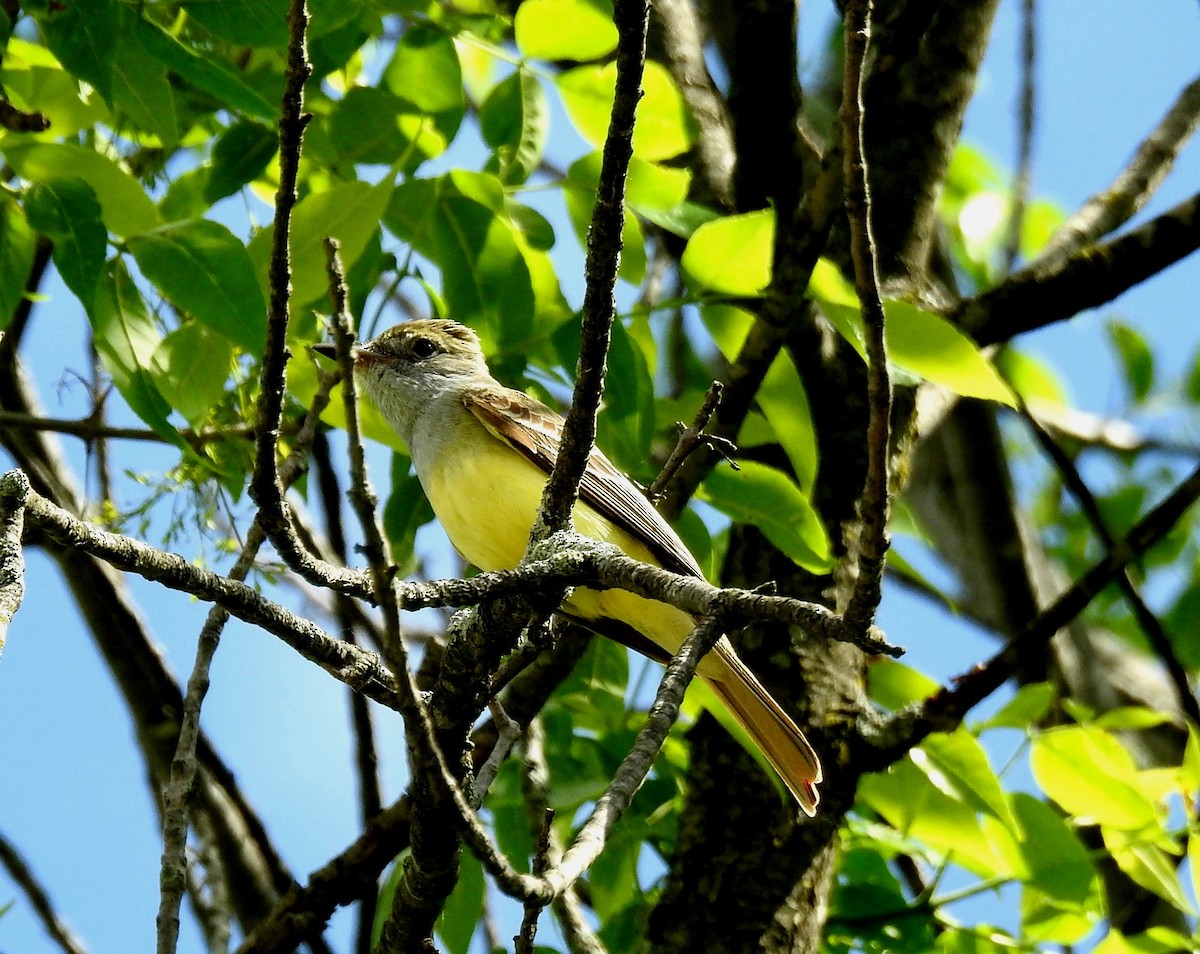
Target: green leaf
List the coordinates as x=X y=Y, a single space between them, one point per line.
x=732 y=255
x=767 y=498
x=664 y=126
x=1045 y=920
x=1059 y=864
x=894 y=685
x=239 y=156
x=142 y=92
x=17 y=244
x=126 y=336
x=648 y=187
x=35 y=80
x=83 y=35
x=1152 y=868
x=406 y=511
x=464 y=908
x=126 y=207
x=781 y=396
x=348 y=212
x=1131 y=717
x=485 y=278
x=373 y=126
x=1025 y=709
x=627 y=426
x=1042 y=220
x=244 y=23
x=425 y=71
x=202 y=71
x=829 y=286
x=203 y=269
x=1089 y=774
x=580 y=205
x=67 y=213
x=906 y=798
x=565 y=30
x=1137 y=361
x=928 y=345
x=683 y=220
x=594 y=693
x=957 y=764
x=613 y=876
x=1032 y=378
x=191 y=367
x=515 y=120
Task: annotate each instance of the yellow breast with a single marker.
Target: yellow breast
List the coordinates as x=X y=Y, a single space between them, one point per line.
x=486 y=496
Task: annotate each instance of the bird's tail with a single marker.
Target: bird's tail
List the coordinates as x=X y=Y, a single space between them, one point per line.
x=776 y=735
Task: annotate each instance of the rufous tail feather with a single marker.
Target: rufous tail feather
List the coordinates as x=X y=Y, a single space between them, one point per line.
x=773 y=731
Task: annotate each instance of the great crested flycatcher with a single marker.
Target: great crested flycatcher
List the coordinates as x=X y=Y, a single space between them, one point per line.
x=483 y=453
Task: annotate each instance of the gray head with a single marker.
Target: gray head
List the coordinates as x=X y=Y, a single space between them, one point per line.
x=411 y=364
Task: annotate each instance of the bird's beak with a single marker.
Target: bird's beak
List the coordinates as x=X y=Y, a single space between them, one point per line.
x=326 y=349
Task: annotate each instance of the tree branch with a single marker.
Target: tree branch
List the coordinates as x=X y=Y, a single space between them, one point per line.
x=1132 y=188
x=603 y=258
x=266 y=488
x=25 y=879
x=872 y=543
x=1045 y=292
x=353 y=666
x=14 y=489
x=184 y=766
x=946 y=709
x=1147 y=621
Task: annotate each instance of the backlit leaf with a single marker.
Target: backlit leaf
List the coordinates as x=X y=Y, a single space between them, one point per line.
x=203 y=269
x=127 y=210
x=664 y=127
x=565 y=29
x=67 y=213
x=770 y=500
x=732 y=255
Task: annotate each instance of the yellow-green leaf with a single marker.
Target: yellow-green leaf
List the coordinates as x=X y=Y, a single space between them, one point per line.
x=732 y=255
x=770 y=500
x=664 y=126
x=565 y=29
x=928 y=345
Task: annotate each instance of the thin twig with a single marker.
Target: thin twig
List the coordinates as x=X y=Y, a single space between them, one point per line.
x=535 y=786
x=872 y=543
x=362 y=497
x=1026 y=116
x=388 y=834
x=90 y=429
x=603 y=258
x=523 y=942
x=945 y=710
x=184 y=765
x=507 y=733
x=609 y=808
x=265 y=486
x=25 y=879
x=690 y=439
x=1147 y=621
x=353 y=666
x=366 y=758
x=1137 y=182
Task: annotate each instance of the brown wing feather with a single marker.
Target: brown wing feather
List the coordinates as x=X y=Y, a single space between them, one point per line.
x=530 y=427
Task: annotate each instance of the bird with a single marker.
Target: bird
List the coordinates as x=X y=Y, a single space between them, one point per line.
x=483 y=453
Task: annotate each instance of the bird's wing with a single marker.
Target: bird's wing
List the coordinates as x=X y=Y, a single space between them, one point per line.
x=533 y=429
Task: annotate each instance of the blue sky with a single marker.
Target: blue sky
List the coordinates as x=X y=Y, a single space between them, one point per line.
x=72 y=798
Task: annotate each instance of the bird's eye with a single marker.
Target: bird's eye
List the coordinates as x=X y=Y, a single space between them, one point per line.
x=424 y=348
